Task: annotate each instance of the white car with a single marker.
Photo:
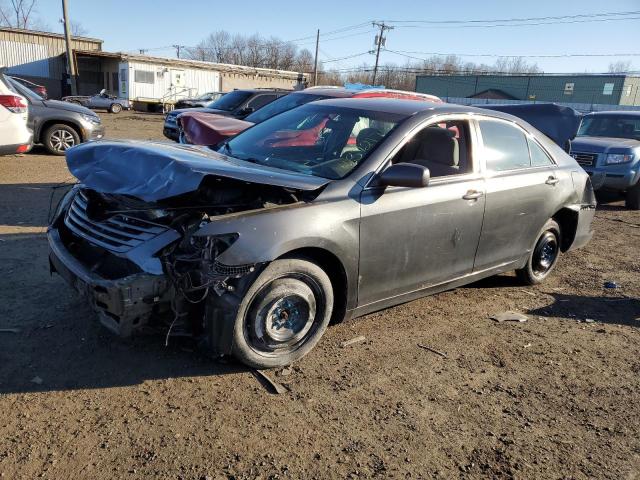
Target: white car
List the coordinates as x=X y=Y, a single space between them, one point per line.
x=15 y=136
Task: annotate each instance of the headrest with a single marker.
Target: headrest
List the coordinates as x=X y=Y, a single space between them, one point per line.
x=439 y=145
x=367 y=138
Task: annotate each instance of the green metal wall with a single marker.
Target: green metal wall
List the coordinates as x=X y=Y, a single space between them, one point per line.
x=546 y=88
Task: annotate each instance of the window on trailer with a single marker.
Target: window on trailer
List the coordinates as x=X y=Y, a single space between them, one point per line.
x=143 y=76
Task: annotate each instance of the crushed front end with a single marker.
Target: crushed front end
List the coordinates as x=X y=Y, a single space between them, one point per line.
x=141 y=267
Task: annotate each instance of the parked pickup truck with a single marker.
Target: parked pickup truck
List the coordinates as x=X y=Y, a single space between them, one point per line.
x=608 y=148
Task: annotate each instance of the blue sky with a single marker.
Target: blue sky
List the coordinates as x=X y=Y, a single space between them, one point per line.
x=135 y=24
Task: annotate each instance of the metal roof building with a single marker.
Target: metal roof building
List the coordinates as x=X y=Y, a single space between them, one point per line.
x=39 y=56
x=613 y=89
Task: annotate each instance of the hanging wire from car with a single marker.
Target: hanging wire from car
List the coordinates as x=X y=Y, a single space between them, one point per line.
x=64 y=184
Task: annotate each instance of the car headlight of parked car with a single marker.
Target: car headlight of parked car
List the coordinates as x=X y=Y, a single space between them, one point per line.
x=616 y=158
x=92 y=119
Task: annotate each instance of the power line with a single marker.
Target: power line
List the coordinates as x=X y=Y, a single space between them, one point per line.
x=561 y=55
x=519 y=24
x=525 y=19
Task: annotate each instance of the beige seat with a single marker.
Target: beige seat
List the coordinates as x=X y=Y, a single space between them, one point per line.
x=435 y=148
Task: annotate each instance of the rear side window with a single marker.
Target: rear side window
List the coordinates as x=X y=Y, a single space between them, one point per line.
x=539 y=157
x=505 y=146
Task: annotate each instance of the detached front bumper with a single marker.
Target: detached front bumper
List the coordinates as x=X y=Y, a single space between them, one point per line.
x=123 y=305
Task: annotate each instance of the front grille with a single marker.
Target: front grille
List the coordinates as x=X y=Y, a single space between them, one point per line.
x=118 y=233
x=585 y=159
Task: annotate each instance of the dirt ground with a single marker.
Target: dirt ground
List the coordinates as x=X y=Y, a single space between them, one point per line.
x=555 y=397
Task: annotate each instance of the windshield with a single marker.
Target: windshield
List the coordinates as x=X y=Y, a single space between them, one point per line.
x=319 y=140
x=617 y=126
x=230 y=101
x=282 y=105
x=22 y=90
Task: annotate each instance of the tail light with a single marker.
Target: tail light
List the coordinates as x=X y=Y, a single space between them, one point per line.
x=23 y=148
x=13 y=103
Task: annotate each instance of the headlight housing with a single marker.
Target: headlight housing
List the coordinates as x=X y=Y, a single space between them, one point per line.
x=91 y=119
x=618 y=158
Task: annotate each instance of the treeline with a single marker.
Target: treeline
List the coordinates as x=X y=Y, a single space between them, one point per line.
x=252 y=51
x=272 y=52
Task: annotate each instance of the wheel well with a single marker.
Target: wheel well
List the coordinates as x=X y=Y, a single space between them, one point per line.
x=567 y=219
x=336 y=272
x=49 y=123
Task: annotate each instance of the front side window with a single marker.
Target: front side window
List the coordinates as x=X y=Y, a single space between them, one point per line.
x=616 y=126
x=442 y=148
x=260 y=101
x=282 y=105
x=319 y=140
x=505 y=146
x=230 y=101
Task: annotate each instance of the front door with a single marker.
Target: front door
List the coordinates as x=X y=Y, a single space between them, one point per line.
x=412 y=238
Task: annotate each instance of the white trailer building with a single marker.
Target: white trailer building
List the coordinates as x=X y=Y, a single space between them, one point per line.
x=148 y=81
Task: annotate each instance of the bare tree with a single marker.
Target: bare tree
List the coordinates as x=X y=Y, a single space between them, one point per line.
x=78 y=30
x=620 y=66
x=17 y=13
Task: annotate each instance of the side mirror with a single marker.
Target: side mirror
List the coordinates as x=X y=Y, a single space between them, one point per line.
x=405 y=175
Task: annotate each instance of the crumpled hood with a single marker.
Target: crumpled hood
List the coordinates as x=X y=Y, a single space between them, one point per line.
x=202 y=128
x=154 y=171
x=604 y=144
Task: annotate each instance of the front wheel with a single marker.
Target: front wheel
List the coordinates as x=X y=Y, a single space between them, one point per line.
x=115 y=108
x=283 y=314
x=543 y=257
x=58 y=138
x=632 y=200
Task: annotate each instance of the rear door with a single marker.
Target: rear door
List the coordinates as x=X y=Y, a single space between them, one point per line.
x=521 y=191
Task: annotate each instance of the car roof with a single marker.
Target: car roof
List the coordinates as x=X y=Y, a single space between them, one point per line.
x=620 y=113
x=407 y=107
x=261 y=90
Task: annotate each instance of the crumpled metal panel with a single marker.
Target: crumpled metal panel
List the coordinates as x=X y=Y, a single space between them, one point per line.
x=154 y=171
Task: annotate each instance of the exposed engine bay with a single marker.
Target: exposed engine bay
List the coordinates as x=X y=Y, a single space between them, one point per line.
x=154 y=272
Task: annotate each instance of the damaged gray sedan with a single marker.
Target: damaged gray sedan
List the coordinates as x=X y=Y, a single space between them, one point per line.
x=331 y=210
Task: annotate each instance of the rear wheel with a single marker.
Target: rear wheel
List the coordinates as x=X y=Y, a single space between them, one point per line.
x=543 y=257
x=283 y=315
x=59 y=138
x=115 y=108
x=632 y=199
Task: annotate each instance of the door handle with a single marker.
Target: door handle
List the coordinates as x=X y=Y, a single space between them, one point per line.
x=552 y=180
x=472 y=195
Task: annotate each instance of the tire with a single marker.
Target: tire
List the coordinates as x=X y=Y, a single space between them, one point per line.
x=283 y=314
x=59 y=137
x=632 y=199
x=115 y=108
x=544 y=255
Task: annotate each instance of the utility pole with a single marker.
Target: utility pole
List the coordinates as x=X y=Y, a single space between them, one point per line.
x=71 y=64
x=178 y=47
x=380 y=41
x=315 y=63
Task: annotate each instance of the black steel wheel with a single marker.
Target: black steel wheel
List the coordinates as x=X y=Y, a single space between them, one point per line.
x=544 y=256
x=283 y=314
